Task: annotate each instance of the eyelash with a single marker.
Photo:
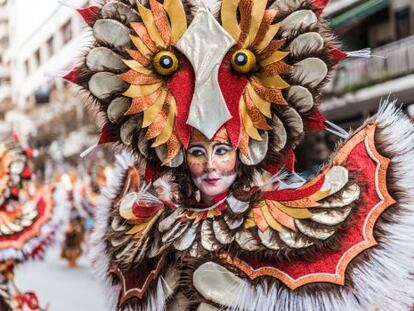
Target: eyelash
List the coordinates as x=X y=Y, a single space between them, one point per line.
x=197 y=152
x=224 y=148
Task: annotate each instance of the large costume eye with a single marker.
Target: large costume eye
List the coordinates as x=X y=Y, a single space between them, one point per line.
x=243 y=61
x=165 y=63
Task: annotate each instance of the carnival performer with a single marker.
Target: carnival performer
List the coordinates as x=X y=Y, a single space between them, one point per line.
x=29 y=220
x=72 y=247
x=206 y=211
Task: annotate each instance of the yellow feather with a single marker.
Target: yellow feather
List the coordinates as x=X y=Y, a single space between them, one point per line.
x=247 y=122
x=297 y=213
x=151 y=113
x=275 y=57
x=135 y=91
x=275 y=82
x=178 y=19
x=140 y=45
x=249 y=223
x=271 y=33
x=169 y=126
x=319 y=195
x=259 y=7
x=273 y=223
x=137 y=228
x=134 y=65
x=229 y=17
x=148 y=19
x=259 y=102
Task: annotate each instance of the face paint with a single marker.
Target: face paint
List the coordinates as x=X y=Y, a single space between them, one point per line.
x=212 y=166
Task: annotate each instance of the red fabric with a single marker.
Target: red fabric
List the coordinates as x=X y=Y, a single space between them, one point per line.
x=28 y=299
x=145 y=211
x=15 y=192
x=27 y=173
x=181 y=86
x=41 y=209
x=337 y=55
x=271 y=168
x=217 y=199
x=232 y=87
x=106 y=136
x=136 y=278
x=294 y=194
x=315 y=121
x=89 y=14
x=290 y=162
x=326 y=261
x=319 y=6
x=149 y=174
x=72 y=76
x=29 y=153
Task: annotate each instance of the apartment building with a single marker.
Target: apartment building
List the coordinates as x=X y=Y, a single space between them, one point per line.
x=5 y=86
x=45 y=38
x=386 y=26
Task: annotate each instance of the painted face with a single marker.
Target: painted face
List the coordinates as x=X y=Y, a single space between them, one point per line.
x=213 y=167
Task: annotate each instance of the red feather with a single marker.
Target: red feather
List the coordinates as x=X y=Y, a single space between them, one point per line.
x=337 y=55
x=315 y=121
x=320 y=5
x=89 y=14
x=72 y=76
x=106 y=136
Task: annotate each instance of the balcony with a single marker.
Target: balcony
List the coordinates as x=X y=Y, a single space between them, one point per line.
x=388 y=62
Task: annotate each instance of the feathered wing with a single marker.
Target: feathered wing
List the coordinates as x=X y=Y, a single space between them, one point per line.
x=124 y=251
x=295 y=219
x=373 y=262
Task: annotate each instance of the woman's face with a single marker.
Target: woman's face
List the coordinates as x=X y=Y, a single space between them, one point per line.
x=212 y=165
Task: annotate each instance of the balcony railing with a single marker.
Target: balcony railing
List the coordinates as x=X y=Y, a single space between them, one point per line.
x=388 y=62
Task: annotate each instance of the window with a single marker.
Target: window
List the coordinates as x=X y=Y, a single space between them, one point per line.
x=49 y=47
x=27 y=67
x=67 y=31
x=37 y=58
x=402 y=23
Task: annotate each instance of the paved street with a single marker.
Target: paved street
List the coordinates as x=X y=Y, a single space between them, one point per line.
x=65 y=289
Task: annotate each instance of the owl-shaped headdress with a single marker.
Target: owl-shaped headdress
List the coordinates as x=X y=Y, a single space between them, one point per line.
x=163 y=70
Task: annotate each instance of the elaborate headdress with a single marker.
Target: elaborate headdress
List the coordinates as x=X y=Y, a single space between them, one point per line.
x=256 y=69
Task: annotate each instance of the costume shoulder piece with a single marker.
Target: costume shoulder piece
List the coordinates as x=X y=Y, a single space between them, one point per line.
x=205 y=211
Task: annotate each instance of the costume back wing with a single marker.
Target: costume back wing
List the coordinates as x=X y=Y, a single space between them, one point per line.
x=368 y=214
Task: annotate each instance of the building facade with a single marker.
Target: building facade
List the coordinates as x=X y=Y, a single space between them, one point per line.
x=45 y=38
x=386 y=26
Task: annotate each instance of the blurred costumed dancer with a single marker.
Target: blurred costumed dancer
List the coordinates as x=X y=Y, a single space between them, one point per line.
x=83 y=194
x=28 y=222
x=79 y=213
x=207 y=212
